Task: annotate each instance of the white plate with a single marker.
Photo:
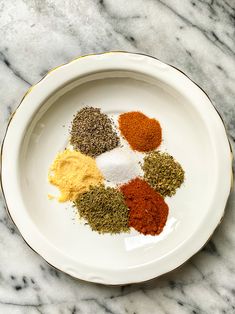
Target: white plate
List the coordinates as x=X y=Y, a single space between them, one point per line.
x=192 y=132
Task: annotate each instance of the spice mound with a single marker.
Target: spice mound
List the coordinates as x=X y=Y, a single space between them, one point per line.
x=104 y=209
x=148 y=210
x=163 y=173
x=92 y=132
x=73 y=173
x=142 y=133
x=119 y=165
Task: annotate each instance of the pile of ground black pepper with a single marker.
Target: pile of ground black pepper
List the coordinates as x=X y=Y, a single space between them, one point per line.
x=92 y=132
x=163 y=172
x=104 y=209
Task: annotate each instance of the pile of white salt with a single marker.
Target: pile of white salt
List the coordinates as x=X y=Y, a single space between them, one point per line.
x=119 y=165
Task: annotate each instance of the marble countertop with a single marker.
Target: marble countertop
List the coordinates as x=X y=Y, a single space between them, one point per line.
x=197 y=36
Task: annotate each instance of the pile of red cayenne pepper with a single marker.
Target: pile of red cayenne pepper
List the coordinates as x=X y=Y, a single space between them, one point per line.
x=142 y=133
x=148 y=210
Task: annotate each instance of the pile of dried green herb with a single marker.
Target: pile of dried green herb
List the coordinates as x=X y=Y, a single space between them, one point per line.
x=92 y=132
x=104 y=209
x=163 y=173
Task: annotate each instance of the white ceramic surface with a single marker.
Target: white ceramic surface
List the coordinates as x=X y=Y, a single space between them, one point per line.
x=192 y=132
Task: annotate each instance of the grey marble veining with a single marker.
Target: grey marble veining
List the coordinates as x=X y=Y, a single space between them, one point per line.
x=197 y=36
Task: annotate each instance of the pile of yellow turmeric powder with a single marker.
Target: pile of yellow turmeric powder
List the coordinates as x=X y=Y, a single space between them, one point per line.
x=73 y=173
